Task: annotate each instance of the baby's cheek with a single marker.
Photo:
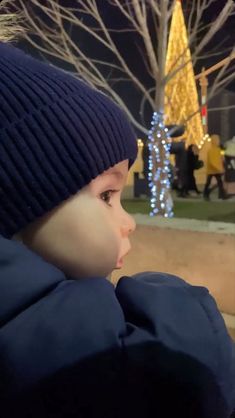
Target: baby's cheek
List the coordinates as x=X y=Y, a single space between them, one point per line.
x=81 y=239
x=94 y=243
x=104 y=248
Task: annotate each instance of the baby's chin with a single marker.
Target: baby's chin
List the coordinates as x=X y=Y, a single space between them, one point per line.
x=83 y=269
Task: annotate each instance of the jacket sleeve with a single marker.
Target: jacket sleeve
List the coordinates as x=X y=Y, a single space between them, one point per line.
x=188 y=344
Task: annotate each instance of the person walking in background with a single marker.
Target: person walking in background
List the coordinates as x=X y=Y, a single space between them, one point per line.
x=193 y=163
x=215 y=168
x=180 y=167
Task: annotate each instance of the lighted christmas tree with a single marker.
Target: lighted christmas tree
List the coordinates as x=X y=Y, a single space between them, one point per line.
x=181 y=97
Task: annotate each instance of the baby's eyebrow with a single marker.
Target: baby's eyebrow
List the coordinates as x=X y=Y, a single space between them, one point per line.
x=116 y=173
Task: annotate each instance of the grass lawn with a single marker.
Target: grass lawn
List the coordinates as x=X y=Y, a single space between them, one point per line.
x=223 y=211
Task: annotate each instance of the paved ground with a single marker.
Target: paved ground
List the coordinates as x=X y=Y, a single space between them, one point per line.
x=186 y=224
x=230 y=322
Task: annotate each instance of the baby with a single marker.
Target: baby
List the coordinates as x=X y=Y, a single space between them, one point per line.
x=72 y=345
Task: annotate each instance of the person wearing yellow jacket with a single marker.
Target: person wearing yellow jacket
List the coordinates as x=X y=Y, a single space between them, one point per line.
x=215 y=167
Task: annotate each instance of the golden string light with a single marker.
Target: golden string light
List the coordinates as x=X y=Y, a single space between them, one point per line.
x=181 y=97
x=205 y=138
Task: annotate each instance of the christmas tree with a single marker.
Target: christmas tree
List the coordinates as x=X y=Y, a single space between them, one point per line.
x=181 y=97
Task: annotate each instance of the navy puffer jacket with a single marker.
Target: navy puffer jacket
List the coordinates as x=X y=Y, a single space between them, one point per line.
x=153 y=346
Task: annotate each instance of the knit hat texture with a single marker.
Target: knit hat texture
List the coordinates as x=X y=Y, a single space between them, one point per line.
x=56 y=135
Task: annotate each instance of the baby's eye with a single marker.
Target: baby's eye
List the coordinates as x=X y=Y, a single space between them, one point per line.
x=106 y=196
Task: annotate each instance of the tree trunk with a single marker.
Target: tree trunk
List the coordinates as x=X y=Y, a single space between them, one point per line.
x=162 y=48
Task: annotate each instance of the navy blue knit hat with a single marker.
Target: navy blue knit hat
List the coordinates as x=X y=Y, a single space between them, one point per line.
x=56 y=135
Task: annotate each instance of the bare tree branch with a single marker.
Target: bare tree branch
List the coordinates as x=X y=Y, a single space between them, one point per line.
x=143 y=102
x=155 y=8
x=142 y=20
x=10 y=23
x=219 y=81
x=217 y=24
x=218 y=109
x=198 y=9
x=221 y=84
x=225 y=51
x=50 y=26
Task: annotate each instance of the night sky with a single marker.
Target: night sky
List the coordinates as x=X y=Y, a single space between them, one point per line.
x=225 y=35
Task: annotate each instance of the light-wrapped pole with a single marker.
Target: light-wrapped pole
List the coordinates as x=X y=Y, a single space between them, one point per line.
x=159 y=143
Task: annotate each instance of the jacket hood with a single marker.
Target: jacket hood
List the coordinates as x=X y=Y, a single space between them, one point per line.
x=24 y=279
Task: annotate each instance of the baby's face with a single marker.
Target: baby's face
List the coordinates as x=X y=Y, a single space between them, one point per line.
x=87 y=235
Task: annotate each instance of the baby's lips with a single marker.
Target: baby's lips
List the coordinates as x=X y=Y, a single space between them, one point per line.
x=120 y=263
x=121 y=259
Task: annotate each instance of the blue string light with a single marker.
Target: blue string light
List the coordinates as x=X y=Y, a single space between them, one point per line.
x=159 y=143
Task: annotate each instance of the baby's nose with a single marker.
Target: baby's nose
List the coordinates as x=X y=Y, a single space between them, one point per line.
x=128 y=224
